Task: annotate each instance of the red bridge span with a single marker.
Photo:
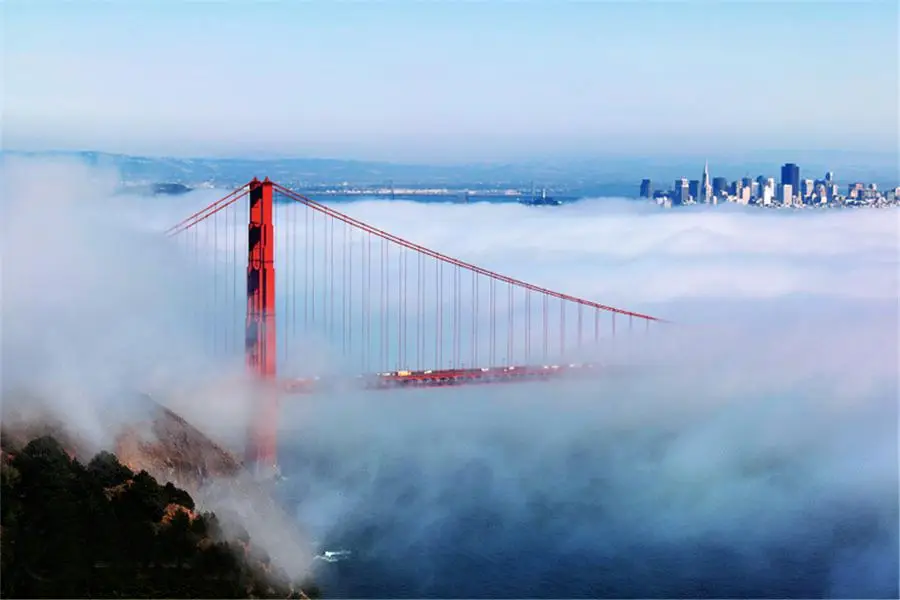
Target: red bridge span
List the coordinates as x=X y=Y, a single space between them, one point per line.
x=353 y=295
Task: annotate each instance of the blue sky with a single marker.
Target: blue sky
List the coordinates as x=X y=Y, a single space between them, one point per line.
x=442 y=81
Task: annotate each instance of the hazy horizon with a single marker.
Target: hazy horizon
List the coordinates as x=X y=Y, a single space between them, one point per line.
x=588 y=176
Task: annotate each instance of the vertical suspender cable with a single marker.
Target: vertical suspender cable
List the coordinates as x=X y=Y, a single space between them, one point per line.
x=331 y=319
x=579 y=326
x=493 y=317
x=349 y=251
x=510 y=326
x=562 y=327
x=313 y=269
x=474 y=358
x=440 y=356
x=420 y=308
x=294 y=240
x=546 y=338
x=344 y=228
x=527 y=327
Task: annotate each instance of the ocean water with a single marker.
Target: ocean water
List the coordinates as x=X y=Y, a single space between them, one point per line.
x=643 y=487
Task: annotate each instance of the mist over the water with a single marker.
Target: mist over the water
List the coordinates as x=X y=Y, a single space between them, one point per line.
x=756 y=454
x=743 y=467
x=757 y=457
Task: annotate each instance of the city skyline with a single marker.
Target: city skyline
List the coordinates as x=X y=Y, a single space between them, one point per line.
x=787 y=190
x=449 y=83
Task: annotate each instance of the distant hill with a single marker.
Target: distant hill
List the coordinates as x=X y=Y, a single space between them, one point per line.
x=613 y=175
x=300 y=172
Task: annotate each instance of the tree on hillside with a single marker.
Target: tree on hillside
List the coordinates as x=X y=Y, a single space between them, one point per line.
x=108 y=471
x=100 y=530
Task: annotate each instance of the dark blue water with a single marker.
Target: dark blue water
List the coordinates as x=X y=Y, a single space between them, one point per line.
x=626 y=489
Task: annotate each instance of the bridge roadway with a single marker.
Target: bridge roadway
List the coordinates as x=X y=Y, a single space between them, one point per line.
x=451 y=377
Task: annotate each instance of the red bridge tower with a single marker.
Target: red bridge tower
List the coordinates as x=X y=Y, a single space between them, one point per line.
x=261 y=345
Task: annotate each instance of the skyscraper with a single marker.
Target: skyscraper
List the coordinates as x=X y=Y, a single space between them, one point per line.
x=682 y=192
x=747 y=184
x=768 y=191
x=705 y=187
x=808 y=188
x=694 y=189
x=719 y=186
x=760 y=186
x=646 y=189
x=787 y=194
x=790 y=175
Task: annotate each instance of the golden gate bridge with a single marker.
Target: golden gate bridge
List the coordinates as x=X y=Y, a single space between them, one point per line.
x=401 y=314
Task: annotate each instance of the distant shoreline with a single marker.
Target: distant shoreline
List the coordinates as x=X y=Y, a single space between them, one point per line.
x=584 y=177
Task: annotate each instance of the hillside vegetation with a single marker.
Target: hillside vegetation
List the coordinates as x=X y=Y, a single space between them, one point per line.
x=100 y=530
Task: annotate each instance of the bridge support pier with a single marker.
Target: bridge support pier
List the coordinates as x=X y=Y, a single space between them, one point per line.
x=261 y=348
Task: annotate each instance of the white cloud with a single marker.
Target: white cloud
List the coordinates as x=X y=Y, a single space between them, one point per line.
x=756 y=457
x=615 y=251
x=763 y=441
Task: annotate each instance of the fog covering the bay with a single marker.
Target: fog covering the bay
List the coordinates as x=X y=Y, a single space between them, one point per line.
x=754 y=455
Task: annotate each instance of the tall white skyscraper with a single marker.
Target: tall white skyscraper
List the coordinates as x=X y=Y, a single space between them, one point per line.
x=705 y=186
x=768 y=191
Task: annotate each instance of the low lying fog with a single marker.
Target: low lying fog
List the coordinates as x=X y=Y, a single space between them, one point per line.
x=755 y=455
